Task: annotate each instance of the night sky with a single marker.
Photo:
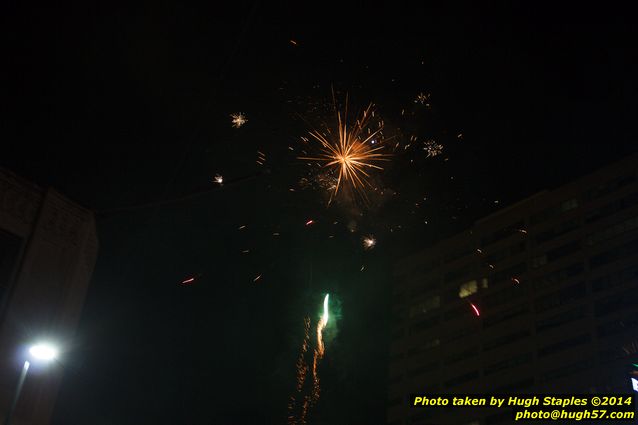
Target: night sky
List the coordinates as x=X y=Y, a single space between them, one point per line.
x=126 y=110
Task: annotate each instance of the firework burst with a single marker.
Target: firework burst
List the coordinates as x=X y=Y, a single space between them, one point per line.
x=350 y=151
x=369 y=242
x=432 y=148
x=238 y=119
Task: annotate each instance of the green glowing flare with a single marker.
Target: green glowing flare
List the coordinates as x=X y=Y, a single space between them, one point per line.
x=325 y=308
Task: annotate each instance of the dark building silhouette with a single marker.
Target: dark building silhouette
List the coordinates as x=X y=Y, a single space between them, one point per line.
x=48 y=247
x=554 y=280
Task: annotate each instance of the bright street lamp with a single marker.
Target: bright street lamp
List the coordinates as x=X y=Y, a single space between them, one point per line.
x=41 y=353
x=44 y=352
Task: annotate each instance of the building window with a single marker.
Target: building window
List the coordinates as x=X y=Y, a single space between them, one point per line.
x=457 y=274
x=539 y=261
x=506 y=339
x=458 y=334
x=557 y=231
x=425 y=368
x=426 y=286
x=569 y=205
x=543 y=215
x=502 y=233
x=562 y=251
x=424 y=325
x=615 y=279
x=432 y=343
x=462 y=355
x=561 y=319
x=457 y=255
x=612 y=208
x=509 y=363
x=468 y=288
x=425 y=306
x=517 y=248
x=492 y=320
x=564 y=345
x=610 y=186
x=560 y=275
x=516 y=386
x=567 y=370
x=462 y=378
x=506 y=275
x=627 y=324
x=562 y=297
x=610 y=355
x=613 y=231
x=510 y=293
x=614 y=254
x=615 y=303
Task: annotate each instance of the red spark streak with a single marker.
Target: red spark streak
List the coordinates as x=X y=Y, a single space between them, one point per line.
x=190 y=280
x=475 y=310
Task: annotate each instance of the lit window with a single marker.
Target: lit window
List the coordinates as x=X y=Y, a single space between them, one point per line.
x=468 y=288
x=432 y=343
x=539 y=261
x=569 y=204
x=425 y=306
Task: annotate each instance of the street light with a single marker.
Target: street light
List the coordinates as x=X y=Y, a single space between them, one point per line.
x=41 y=352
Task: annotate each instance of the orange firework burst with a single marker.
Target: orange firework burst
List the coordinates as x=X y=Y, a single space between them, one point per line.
x=352 y=152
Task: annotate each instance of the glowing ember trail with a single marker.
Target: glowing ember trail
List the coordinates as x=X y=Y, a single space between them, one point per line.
x=300 y=405
x=476 y=310
x=302 y=371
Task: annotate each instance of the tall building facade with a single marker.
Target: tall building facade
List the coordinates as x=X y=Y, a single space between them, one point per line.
x=538 y=297
x=48 y=248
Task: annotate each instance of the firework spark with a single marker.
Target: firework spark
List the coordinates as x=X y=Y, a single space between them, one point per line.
x=261 y=158
x=423 y=99
x=476 y=310
x=369 y=242
x=238 y=119
x=432 y=148
x=218 y=179
x=351 y=153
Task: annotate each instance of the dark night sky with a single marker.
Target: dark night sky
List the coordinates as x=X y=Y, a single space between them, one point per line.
x=122 y=106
